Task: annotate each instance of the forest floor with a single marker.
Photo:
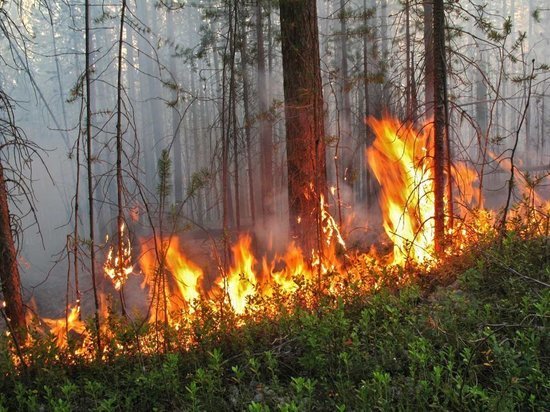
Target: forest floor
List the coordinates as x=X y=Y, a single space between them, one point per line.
x=470 y=335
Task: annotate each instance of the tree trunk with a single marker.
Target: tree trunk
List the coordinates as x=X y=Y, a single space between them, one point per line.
x=345 y=111
x=9 y=271
x=439 y=122
x=176 y=121
x=367 y=112
x=89 y=164
x=305 y=143
x=247 y=124
x=266 y=136
x=410 y=92
x=428 y=59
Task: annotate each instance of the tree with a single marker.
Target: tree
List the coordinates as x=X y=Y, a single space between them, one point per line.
x=9 y=271
x=266 y=137
x=89 y=161
x=440 y=118
x=428 y=58
x=305 y=145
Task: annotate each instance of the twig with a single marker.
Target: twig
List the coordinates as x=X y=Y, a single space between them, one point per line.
x=515 y=272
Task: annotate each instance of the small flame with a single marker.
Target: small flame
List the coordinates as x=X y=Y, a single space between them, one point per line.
x=116 y=267
x=60 y=327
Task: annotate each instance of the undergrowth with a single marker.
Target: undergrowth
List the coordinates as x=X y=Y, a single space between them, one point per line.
x=476 y=338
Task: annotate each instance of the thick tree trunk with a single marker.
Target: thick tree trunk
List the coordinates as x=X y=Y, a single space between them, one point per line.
x=305 y=143
x=9 y=271
x=439 y=122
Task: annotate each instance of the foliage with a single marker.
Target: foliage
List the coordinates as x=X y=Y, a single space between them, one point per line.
x=478 y=343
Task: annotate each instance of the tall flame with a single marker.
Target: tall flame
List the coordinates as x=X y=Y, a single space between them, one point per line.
x=241 y=281
x=170 y=274
x=400 y=160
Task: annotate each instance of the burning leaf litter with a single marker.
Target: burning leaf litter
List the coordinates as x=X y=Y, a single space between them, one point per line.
x=401 y=159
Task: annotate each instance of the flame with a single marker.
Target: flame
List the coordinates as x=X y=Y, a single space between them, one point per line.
x=241 y=282
x=185 y=273
x=170 y=276
x=118 y=266
x=60 y=327
x=400 y=160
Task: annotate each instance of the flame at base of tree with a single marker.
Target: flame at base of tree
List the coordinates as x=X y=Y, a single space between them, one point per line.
x=252 y=286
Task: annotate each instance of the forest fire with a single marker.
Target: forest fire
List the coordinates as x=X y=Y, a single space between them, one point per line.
x=400 y=158
x=285 y=205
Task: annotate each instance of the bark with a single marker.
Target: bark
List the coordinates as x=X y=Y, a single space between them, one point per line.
x=439 y=123
x=119 y=179
x=367 y=113
x=89 y=164
x=345 y=112
x=384 y=52
x=306 y=162
x=247 y=125
x=428 y=59
x=9 y=271
x=201 y=158
x=410 y=92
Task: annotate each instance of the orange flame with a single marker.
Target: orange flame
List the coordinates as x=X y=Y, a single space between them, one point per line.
x=116 y=267
x=241 y=281
x=60 y=327
x=169 y=274
x=400 y=161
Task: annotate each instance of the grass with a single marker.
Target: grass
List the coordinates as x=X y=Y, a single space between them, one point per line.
x=475 y=338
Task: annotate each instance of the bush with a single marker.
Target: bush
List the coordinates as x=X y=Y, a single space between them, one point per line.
x=480 y=342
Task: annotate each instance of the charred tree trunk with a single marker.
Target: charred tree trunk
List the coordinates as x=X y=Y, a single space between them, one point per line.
x=305 y=143
x=439 y=123
x=9 y=271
